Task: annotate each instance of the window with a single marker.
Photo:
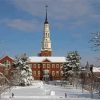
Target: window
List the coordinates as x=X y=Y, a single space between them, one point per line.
x=48 y=65
x=61 y=65
x=34 y=73
x=38 y=65
x=57 y=73
x=7 y=63
x=46 y=35
x=34 y=65
x=57 y=65
x=45 y=72
x=53 y=65
x=39 y=73
x=61 y=73
x=44 y=65
x=53 y=73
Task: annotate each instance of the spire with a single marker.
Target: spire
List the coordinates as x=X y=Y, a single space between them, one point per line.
x=46 y=49
x=46 y=19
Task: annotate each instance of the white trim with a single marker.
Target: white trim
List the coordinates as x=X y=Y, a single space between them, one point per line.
x=51 y=59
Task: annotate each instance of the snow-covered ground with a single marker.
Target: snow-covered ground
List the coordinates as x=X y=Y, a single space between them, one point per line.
x=40 y=91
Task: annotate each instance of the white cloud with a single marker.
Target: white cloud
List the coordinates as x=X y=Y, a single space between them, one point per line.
x=82 y=11
x=23 y=25
x=58 y=9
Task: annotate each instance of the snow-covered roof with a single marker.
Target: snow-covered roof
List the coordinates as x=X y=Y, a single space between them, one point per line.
x=96 y=69
x=51 y=59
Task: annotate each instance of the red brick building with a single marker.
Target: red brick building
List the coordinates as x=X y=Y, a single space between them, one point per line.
x=7 y=61
x=5 y=65
x=47 y=68
x=2 y=66
x=43 y=68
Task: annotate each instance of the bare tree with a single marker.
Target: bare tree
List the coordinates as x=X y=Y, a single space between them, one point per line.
x=4 y=84
x=95 y=40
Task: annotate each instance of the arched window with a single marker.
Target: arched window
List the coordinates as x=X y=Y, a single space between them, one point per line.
x=46 y=35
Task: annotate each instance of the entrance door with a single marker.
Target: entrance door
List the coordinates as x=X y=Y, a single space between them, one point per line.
x=46 y=75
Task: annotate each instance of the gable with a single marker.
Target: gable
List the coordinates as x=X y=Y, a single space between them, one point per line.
x=46 y=60
x=6 y=58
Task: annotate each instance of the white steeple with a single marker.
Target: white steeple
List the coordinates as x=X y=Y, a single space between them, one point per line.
x=46 y=42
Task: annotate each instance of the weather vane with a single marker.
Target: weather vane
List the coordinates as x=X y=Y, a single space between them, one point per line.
x=46 y=7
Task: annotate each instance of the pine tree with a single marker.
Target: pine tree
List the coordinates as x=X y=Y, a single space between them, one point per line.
x=72 y=64
x=22 y=72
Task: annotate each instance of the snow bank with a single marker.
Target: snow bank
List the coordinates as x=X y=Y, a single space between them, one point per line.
x=37 y=83
x=96 y=69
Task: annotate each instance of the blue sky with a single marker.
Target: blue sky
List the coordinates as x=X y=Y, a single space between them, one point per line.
x=71 y=24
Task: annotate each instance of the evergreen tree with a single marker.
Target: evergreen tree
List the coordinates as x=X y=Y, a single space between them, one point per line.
x=22 y=71
x=72 y=64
